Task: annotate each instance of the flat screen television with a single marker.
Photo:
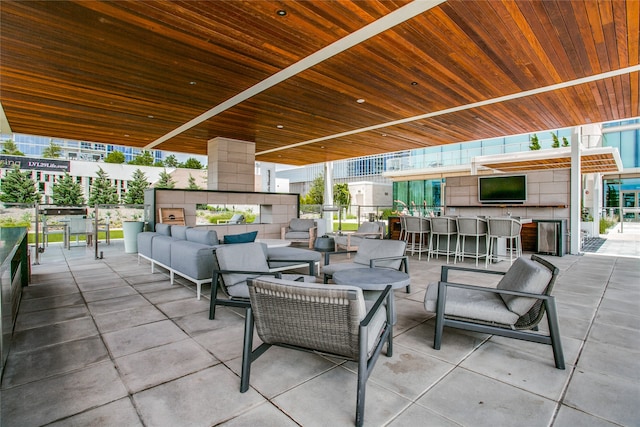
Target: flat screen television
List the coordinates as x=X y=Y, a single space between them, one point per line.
x=502 y=189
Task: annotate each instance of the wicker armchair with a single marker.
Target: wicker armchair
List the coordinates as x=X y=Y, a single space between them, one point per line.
x=233 y=265
x=331 y=320
x=513 y=309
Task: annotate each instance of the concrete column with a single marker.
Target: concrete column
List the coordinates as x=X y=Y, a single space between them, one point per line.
x=267 y=177
x=575 y=192
x=328 y=196
x=231 y=165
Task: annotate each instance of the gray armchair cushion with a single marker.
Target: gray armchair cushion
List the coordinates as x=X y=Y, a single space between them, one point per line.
x=179 y=232
x=377 y=248
x=471 y=304
x=164 y=229
x=296 y=235
x=241 y=257
x=369 y=227
x=204 y=237
x=524 y=275
x=298 y=224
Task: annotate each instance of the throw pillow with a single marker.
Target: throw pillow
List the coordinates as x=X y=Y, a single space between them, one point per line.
x=241 y=238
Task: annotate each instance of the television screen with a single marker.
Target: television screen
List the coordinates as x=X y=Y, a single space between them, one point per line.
x=502 y=189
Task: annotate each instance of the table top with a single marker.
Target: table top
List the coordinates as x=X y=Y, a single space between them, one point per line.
x=274 y=243
x=372 y=279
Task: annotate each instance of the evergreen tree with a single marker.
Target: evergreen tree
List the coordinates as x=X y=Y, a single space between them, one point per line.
x=115 y=157
x=18 y=187
x=67 y=192
x=556 y=141
x=165 y=181
x=534 y=144
x=136 y=187
x=102 y=191
x=143 y=159
x=191 y=163
x=53 y=151
x=192 y=184
x=171 y=161
x=10 y=148
x=315 y=196
x=565 y=142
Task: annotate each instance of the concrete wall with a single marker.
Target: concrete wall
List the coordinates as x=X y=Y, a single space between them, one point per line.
x=276 y=209
x=547 y=197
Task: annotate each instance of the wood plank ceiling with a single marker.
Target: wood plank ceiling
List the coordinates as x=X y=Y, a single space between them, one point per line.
x=130 y=72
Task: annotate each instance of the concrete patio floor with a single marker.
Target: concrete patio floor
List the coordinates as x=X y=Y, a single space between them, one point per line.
x=108 y=343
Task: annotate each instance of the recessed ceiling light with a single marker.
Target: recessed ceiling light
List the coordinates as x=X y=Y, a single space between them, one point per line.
x=384 y=134
x=192 y=83
x=280 y=126
x=127 y=135
x=322 y=146
x=414 y=83
x=360 y=101
x=281 y=12
x=150 y=116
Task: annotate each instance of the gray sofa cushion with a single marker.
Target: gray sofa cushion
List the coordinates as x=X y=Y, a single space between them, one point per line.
x=144 y=243
x=471 y=304
x=299 y=224
x=204 y=237
x=164 y=229
x=292 y=254
x=525 y=275
x=192 y=259
x=179 y=232
x=161 y=249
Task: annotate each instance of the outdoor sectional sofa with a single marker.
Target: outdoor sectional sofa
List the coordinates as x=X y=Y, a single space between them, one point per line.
x=189 y=252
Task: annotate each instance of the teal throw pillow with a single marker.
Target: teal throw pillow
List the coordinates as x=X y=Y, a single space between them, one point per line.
x=241 y=238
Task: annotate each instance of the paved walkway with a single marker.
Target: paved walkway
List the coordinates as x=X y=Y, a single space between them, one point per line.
x=107 y=343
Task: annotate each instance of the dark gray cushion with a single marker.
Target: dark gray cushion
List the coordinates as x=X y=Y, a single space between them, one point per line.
x=164 y=229
x=205 y=237
x=524 y=275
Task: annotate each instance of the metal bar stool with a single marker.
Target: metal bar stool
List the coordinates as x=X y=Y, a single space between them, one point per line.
x=417 y=233
x=475 y=228
x=504 y=228
x=442 y=227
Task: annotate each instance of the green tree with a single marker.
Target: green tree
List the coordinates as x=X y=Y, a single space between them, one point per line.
x=191 y=163
x=10 y=148
x=18 y=187
x=341 y=195
x=556 y=141
x=315 y=196
x=165 y=181
x=565 y=141
x=192 y=184
x=102 y=191
x=159 y=164
x=53 y=151
x=143 y=159
x=67 y=192
x=534 y=144
x=115 y=157
x=136 y=187
x=171 y=161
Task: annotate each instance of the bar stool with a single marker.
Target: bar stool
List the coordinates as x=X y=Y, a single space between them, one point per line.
x=403 y=228
x=504 y=228
x=475 y=228
x=417 y=234
x=446 y=227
